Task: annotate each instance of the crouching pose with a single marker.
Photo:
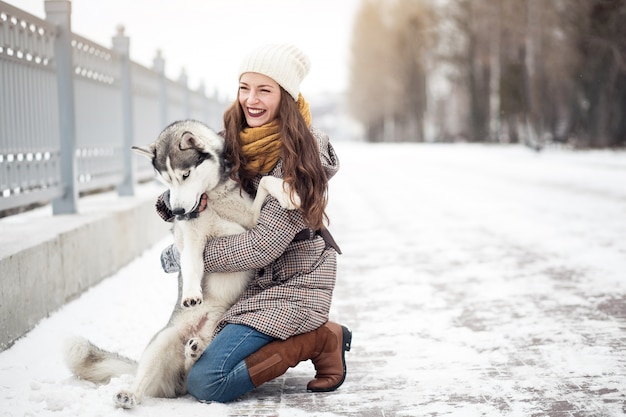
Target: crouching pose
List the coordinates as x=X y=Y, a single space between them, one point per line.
x=282 y=317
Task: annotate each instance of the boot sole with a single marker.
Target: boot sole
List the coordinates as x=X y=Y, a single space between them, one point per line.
x=347 y=344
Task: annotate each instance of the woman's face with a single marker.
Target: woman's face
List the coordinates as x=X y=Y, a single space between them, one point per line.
x=259 y=97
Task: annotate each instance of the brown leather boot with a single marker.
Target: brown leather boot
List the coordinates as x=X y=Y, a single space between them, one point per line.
x=325 y=346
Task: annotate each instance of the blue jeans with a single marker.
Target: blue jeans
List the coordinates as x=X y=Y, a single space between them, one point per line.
x=221 y=374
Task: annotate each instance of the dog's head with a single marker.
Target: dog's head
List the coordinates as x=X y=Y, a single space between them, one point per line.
x=188 y=158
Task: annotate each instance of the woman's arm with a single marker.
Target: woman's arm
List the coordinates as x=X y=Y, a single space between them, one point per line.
x=329 y=158
x=257 y=247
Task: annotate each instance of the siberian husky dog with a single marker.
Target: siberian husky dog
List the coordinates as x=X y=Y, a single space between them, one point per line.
x=188 y=158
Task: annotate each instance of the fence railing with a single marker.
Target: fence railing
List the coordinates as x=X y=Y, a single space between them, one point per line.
x=70 y=109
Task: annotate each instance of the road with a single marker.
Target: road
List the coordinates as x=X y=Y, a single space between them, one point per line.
x=478 y=281
x=483 y=281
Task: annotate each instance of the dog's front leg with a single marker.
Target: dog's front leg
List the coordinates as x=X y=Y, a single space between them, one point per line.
x=191 y=264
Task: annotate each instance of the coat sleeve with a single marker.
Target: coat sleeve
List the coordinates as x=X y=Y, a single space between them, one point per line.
x=329 y=158
x=163 y=207
x=257 y=247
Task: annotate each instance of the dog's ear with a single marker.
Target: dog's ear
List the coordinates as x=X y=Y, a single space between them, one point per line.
x=189 y=141
x=148 y=152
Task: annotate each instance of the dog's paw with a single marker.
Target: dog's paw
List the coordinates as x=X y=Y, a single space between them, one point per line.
x=192 y=348
x=295 y=202
x=285 y=199
x=125 y=399
x=281 y=191
x=191 y=302
x=191 y=299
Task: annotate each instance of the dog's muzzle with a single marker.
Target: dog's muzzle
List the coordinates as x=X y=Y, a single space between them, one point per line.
x=180 y=213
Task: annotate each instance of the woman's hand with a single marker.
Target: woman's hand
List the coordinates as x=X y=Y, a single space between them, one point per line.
x=203 y=202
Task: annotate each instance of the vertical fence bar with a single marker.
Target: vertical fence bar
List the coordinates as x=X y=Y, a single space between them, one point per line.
x=182 y=80
x=158 y=65
x=59 y=12
x=121 y=45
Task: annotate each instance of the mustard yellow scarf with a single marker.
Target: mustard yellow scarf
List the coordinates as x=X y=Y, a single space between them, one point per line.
x=262 y=145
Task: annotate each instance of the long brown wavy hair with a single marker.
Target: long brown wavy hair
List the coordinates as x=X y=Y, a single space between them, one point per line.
x=302 y=168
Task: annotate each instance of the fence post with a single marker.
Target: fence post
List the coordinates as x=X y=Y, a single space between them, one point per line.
x=121 y=45
x=158 y=64
x=59 y=12
x=182 y=81
x=216 y=110
x=206 y=110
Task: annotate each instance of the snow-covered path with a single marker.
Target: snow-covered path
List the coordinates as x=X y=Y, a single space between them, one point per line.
x=478 y=281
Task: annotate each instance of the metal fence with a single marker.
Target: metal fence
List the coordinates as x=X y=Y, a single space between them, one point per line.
x=70 y=109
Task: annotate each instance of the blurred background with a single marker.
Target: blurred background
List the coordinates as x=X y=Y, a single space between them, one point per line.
x=505 y=71
x=491 y=71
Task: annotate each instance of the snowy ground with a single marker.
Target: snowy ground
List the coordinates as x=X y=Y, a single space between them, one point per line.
x=478 y=281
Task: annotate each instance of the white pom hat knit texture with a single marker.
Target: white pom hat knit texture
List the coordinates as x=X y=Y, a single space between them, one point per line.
x=284 y=63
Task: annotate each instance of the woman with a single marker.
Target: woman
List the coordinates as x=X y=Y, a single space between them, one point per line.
x=282 y=317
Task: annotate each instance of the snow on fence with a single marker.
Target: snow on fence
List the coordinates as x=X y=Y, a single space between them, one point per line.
x=70 y=109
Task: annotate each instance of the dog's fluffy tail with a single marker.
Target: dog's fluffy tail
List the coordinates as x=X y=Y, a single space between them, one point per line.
x=89 y=362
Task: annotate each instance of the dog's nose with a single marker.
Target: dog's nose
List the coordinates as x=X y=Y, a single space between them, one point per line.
x=179 y=211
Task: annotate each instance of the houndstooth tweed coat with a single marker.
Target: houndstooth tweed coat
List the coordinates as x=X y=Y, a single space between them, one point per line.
x=294 y=281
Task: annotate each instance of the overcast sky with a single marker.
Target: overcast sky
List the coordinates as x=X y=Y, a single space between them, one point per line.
x=209 y=37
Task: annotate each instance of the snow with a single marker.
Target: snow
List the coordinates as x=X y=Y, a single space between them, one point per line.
x=478 y=281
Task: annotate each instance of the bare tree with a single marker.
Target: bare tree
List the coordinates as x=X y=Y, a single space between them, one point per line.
x=388 y=82
x=413 y=34
x=516 y=70
x=600 y=38
x=369 y=90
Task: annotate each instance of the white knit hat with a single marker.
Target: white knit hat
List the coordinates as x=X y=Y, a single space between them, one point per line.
x=284 y=63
